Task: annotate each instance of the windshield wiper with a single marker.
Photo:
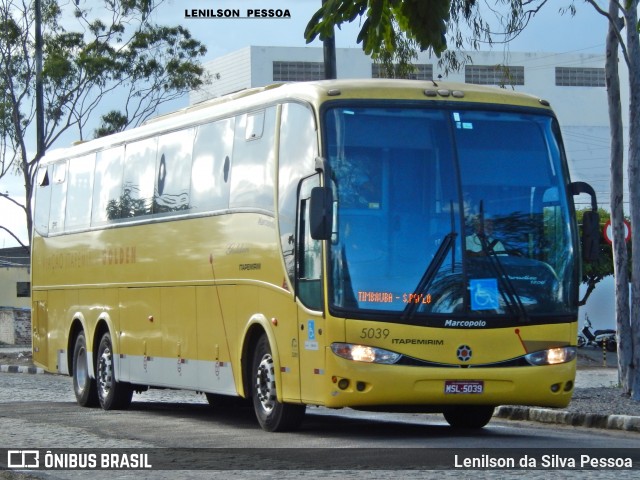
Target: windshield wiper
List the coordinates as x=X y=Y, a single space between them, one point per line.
x=430 y=273
x=508 y=291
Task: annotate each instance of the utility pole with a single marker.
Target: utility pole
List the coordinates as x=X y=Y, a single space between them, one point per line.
x=329 y=49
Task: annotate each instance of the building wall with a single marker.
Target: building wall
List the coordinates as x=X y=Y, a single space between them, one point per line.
x=229 y=73
x=9 y=276
x=15 y=326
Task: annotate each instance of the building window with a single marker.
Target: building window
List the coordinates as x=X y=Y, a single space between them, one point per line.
x=580 y=77
x=422 y=71
x=297 y=71
x=23 y=289
x=494 y=75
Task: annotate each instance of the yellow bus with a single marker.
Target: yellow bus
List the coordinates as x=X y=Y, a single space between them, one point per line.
x=382 y=244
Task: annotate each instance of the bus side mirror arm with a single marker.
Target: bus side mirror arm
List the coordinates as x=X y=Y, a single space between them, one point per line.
x=321 y=213
x=590 y=223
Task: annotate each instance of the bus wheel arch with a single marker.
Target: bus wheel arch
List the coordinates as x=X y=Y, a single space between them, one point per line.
x=251 y=338
x=272 y=415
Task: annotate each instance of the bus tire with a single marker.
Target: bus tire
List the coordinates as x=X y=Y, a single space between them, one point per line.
x=468 y=416
x=84 y=387
x=113 y=395
x=272 y=415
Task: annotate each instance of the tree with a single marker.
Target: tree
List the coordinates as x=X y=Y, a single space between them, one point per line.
x=109 y=53
x=398 y=62
x=443 y=27
x=622 y=35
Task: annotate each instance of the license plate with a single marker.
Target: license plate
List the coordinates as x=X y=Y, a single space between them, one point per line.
x=463 y=387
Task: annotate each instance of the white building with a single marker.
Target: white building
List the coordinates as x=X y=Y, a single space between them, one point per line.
x=573 y=83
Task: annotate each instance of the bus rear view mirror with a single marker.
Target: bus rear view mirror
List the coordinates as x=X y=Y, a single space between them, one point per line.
x=590 y=236
x=321 y=213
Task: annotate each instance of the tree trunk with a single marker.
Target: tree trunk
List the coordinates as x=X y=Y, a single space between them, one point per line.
x=633 y=48
x=620 y=262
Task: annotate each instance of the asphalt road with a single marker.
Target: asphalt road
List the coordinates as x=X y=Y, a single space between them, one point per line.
x=39 y=412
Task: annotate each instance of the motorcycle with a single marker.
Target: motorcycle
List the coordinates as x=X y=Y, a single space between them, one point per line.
x=599 y=338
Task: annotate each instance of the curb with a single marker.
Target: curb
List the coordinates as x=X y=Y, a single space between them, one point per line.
x=20 y=369
x=575 y=419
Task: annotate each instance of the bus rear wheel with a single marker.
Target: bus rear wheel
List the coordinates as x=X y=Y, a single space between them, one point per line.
x=272 y=415
x=84 y=387
x=468 y=416
x=113 y=395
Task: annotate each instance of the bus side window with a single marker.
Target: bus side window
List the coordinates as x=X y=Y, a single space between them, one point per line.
x=173 y=172
x=107 y=188
x=43 y=201
x=58 y=197
x=309 y=256
x=212 y=151
x=297 y=153
x=253 y=166
x=79 y=192
x=138 y=181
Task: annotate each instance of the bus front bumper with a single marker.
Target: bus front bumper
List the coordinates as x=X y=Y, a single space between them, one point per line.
x=357 y=384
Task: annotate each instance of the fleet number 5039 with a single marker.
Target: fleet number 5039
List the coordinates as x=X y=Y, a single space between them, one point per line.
x=378 y=333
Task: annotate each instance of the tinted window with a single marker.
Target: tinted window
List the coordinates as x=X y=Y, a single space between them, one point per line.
x=298 y=150
x=79 y=192
x=211 y=163
x=138 y=181
x=252 y=171
x=43 y=201
x=173 y=174
x=108 y=186
x=58 y=197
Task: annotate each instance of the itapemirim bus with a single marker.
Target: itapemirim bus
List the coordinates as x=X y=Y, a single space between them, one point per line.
x=384 y=244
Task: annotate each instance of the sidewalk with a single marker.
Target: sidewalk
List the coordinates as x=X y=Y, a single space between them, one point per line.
x=11 y=360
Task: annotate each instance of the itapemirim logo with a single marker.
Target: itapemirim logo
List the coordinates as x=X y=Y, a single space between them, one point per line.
x=237 y=13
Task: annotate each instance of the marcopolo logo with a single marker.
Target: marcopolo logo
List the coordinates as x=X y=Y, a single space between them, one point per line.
x=465 y=323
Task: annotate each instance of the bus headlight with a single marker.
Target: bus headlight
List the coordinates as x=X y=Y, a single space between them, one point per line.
x=553 y=356
x=364 y=353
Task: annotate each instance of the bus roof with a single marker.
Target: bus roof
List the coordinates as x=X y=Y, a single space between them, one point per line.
x=314 y=92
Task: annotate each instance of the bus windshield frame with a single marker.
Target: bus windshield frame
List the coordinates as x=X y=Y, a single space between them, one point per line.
x=449 y=214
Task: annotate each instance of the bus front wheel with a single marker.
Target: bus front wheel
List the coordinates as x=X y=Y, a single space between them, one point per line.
x=113 y=395
x=468 y=416
x=272 y=415
x=84 y=387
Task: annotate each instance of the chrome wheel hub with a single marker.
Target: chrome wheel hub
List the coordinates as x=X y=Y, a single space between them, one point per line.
x=266 y=384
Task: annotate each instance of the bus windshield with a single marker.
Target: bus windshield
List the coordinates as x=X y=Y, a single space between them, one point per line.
x=448 y=212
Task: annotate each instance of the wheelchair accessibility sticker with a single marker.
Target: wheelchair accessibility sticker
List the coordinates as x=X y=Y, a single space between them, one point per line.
x=311 y=343
x=484 y=294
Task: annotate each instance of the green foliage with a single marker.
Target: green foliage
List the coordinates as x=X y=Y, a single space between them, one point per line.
x=398 y=62
x=444 y=27
x=112 y=122
x=593 y=272
x=423 y=21
x=604 y=266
